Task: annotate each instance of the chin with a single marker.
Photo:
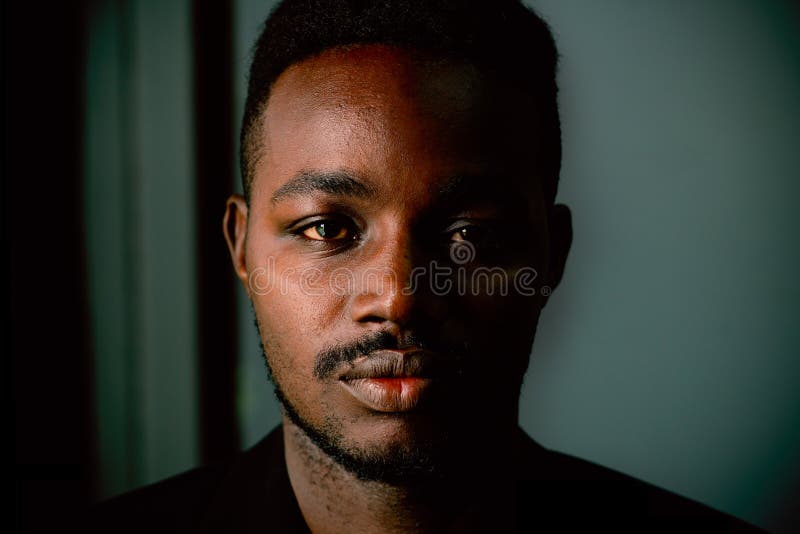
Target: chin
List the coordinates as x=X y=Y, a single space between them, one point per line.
x=407 y=448
x=399 y=430
x=397 y=457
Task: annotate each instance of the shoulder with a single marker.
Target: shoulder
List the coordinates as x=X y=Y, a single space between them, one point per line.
x=569 y=490
x=225 y=496
x=172 y=502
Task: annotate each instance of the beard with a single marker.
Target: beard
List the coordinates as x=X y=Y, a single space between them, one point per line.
x=395 y=464
x=419 y=463
x=439 y=452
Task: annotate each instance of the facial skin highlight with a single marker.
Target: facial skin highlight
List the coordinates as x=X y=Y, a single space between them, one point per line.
x=375 y=162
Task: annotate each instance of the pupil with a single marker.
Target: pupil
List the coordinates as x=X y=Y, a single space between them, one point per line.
x=326 y=229
x=470 y=234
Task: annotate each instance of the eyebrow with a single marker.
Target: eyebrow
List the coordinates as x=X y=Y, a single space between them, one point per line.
x=339 y=183
x=477 y=186
x=465 y=191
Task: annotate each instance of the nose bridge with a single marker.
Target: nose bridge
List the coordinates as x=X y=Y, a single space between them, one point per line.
x=388 y=263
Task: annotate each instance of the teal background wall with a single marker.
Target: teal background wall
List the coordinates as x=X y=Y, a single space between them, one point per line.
x=669 y=352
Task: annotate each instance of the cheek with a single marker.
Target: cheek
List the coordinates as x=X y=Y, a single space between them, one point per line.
x=295 y=327
x=295 y=320
x=508 y=320
x=504 y=335
x=500 y=314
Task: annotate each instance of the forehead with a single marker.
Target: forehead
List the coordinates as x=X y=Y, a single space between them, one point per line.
x=381 y=110
x=377 y=75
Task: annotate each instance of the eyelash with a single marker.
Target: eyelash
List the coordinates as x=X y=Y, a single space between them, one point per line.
x=485 y=232
x=299 y=231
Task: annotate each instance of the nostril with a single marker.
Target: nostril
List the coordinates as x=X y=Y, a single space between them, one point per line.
x=382 y=307
x=372 y=319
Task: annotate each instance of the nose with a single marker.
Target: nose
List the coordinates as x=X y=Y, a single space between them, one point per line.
x=385 y=291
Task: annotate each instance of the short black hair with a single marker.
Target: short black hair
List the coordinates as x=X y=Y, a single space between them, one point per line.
x=503 y=36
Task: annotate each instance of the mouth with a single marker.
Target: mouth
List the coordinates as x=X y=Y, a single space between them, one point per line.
x=391 y=381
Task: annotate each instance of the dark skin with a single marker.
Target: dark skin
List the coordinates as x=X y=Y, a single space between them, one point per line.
x=374 y=159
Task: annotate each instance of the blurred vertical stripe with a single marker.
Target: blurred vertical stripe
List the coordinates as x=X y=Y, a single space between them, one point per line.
x=214 y=156
x=140 y=197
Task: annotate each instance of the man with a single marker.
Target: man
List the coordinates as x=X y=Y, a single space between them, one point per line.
x=398 y=238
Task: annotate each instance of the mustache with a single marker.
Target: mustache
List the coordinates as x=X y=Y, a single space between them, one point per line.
x=328 y=361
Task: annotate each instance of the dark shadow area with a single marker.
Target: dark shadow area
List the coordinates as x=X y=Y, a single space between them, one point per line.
x=213 y=117
x=48 y=340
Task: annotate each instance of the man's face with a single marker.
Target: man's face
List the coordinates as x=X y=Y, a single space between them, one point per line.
x=394 y=235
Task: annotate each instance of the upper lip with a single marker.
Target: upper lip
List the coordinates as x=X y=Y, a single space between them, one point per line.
x=393 y=364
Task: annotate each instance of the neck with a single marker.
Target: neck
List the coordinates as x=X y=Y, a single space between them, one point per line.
x=334 y=500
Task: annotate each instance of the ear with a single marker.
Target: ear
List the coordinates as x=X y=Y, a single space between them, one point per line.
x=234 y=227
x=560 y=242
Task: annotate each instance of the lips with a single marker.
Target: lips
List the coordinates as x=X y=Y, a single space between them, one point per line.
x=391 y=381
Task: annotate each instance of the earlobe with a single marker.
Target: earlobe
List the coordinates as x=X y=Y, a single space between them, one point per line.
x=560 y=243
x=234 y=228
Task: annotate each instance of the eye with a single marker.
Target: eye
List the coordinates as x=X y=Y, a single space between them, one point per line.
x=328 y=231
x=472 y=233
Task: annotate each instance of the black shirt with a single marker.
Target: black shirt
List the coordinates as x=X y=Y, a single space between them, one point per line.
x=252 y=493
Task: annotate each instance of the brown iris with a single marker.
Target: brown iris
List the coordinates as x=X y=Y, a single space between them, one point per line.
x=327 y=231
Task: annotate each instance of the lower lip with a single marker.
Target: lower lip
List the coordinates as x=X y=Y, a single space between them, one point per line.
x=388 y=394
